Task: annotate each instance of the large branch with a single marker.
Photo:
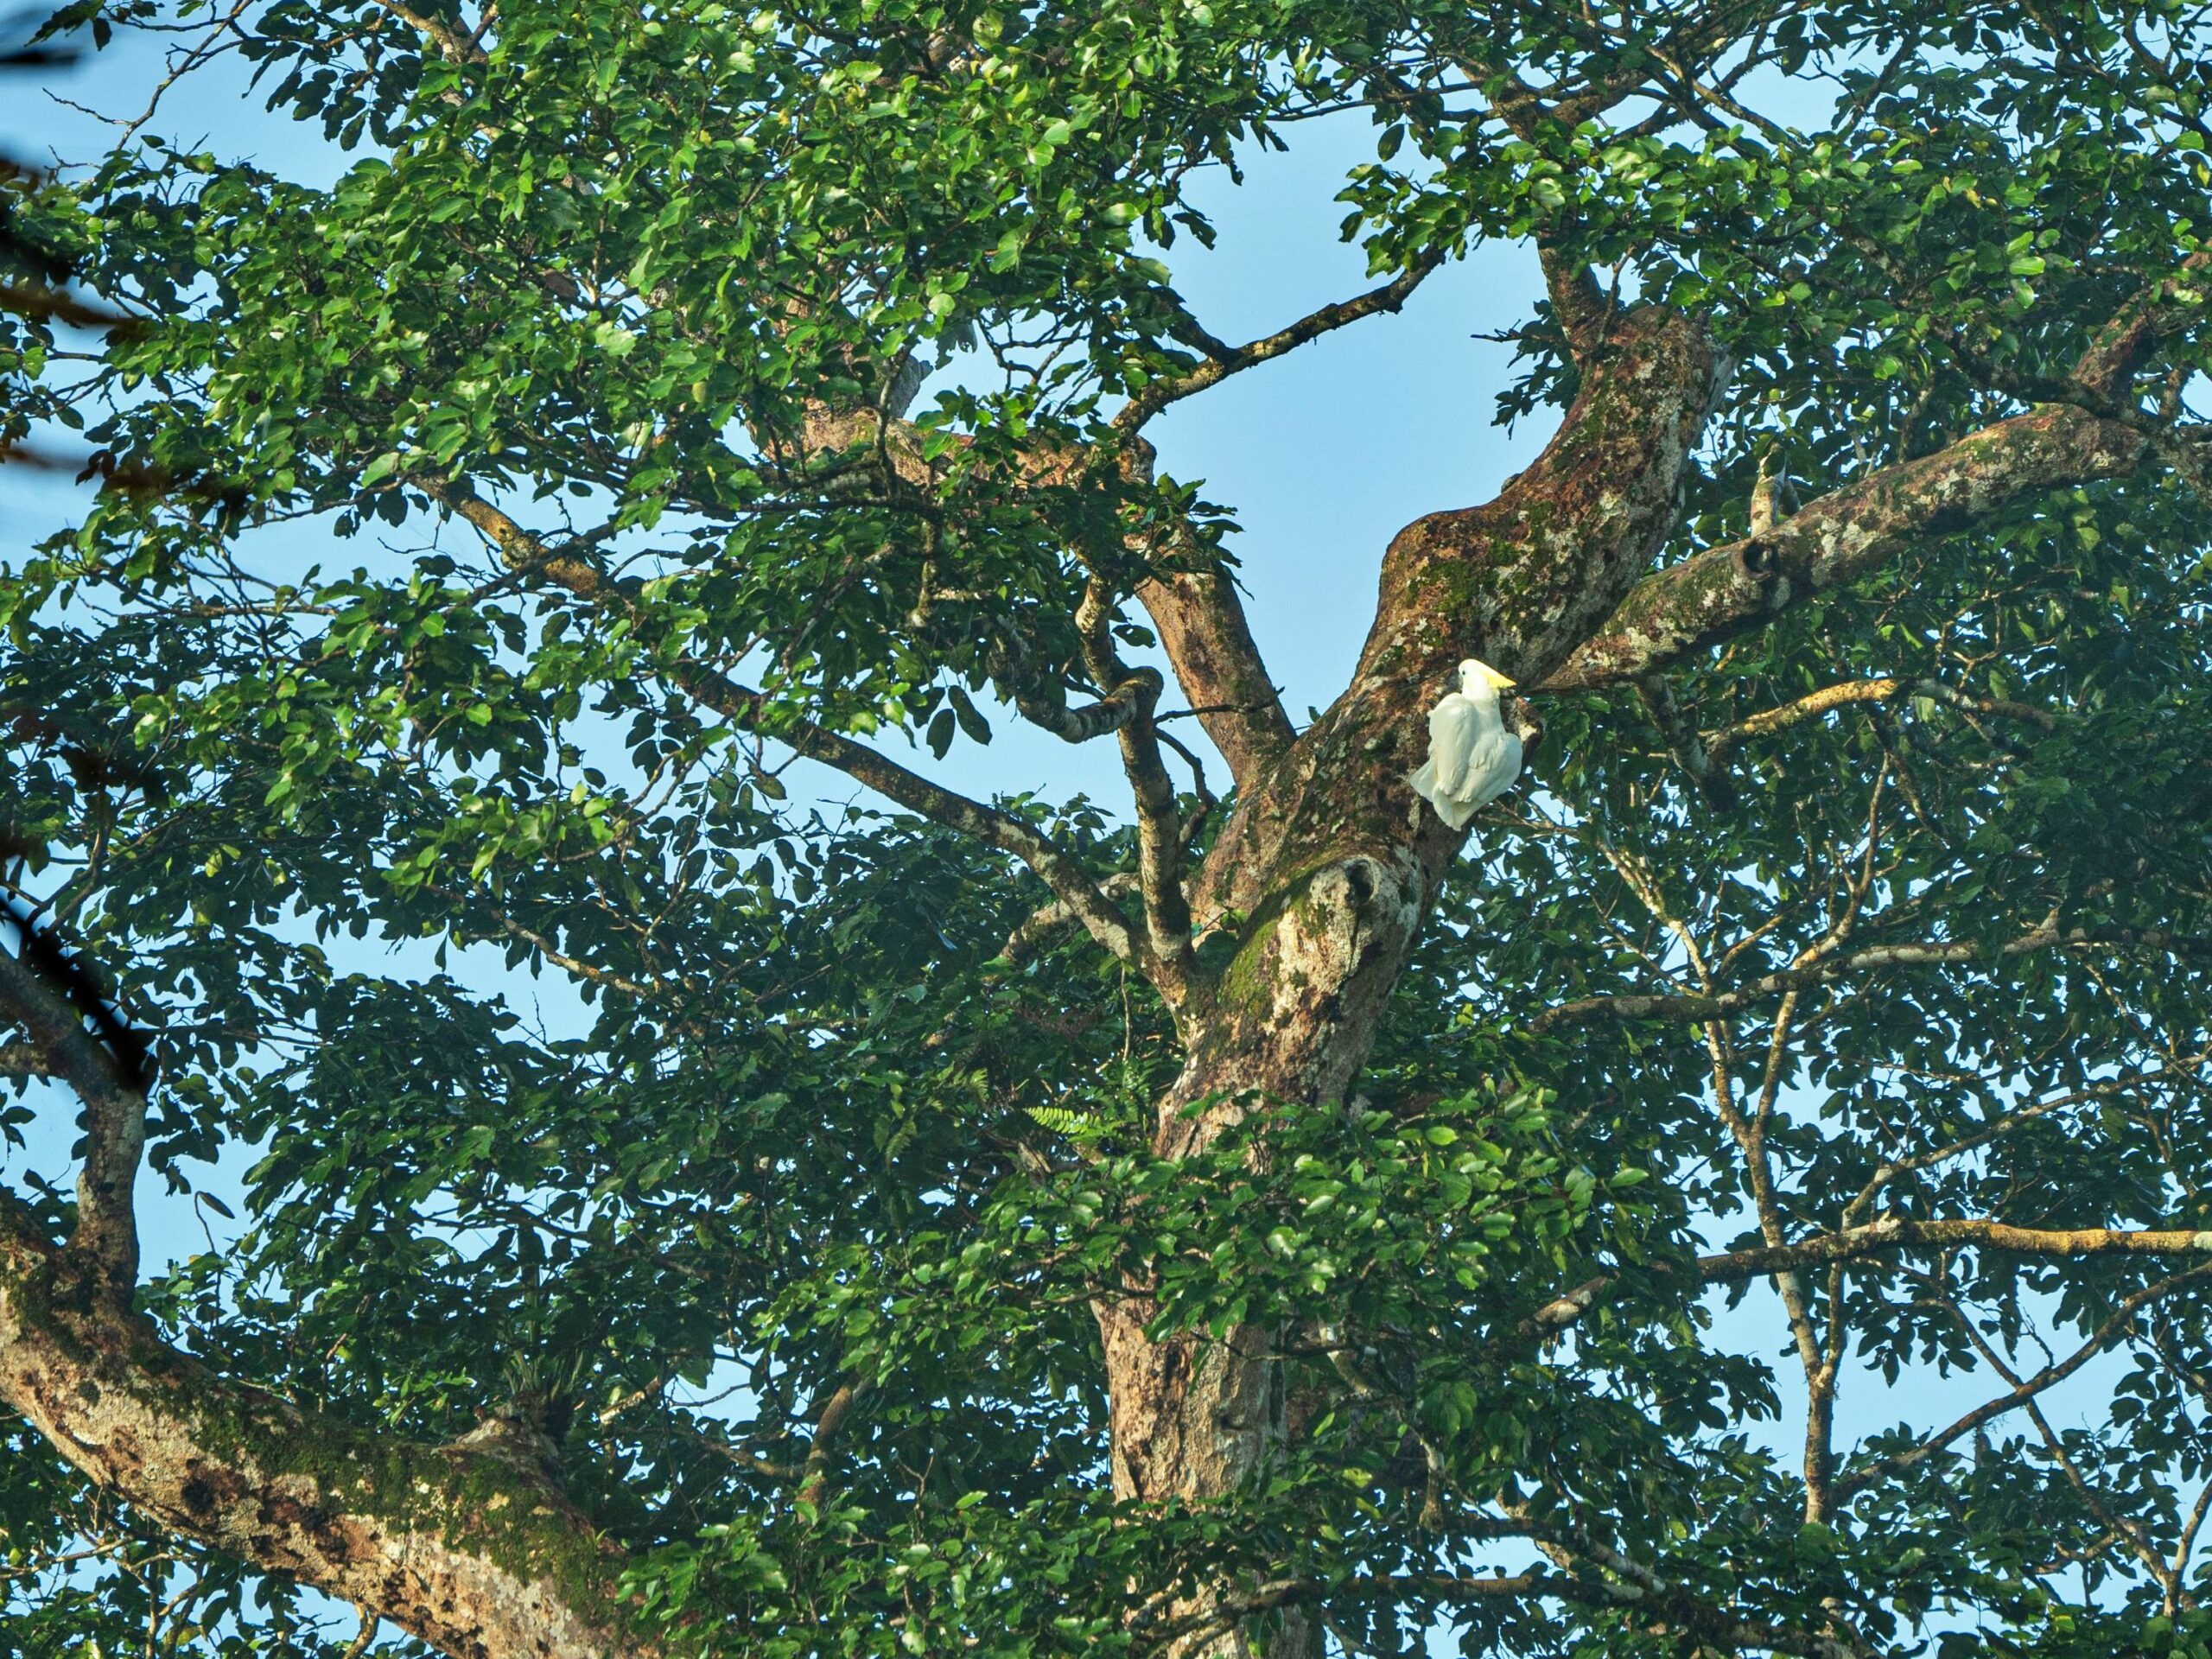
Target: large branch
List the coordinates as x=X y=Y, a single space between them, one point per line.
x=1522 y=580
x=1714 y=596
x=469 y=1547
x=751 y=711
x=1518 y=581
x=2089 y=432
x=115 y=1111
x=1202 y=628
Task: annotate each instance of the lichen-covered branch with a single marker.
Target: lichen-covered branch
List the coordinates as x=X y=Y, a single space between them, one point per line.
x=473 y=1550
x=22 y=1060
x=2163 y=308
x=1859 y=527
x=1714 y=596
x=1522 y=580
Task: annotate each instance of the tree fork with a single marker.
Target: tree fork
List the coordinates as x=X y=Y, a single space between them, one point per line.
x=1327 y=870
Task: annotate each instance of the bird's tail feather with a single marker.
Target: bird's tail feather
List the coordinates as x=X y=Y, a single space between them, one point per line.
x=1453 y=812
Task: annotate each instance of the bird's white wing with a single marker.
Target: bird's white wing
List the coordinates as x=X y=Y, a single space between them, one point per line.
x=1454 y=727
x=1492 y=768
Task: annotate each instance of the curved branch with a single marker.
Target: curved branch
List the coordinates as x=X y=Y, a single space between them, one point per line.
x=1522 y=580
x=1668 y=1006
x=1390 y=296
x=1200 y=619
x=111 y=1087
x=1030 y=934
x=1108 y=713
x=469 y=1549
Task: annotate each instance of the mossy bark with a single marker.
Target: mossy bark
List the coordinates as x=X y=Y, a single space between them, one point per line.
x=1329 y=868
x=468 y=1546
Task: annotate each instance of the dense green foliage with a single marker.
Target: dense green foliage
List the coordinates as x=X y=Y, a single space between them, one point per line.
x=675 y=1086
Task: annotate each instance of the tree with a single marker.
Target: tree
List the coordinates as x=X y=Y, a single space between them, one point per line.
x=1248 y=1218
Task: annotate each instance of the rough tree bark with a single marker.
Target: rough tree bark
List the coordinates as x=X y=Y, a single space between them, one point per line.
x=471 y=1545
x=1327 y=869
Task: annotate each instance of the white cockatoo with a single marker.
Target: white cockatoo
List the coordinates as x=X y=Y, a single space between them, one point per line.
x=1472 y=759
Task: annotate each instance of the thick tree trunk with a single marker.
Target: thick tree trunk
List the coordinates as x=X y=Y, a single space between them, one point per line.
x=1331 y=864
x=1291 y=1020
x=1195 y=1420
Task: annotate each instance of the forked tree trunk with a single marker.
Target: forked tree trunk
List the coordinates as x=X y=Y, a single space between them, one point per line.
x=1331 y=864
